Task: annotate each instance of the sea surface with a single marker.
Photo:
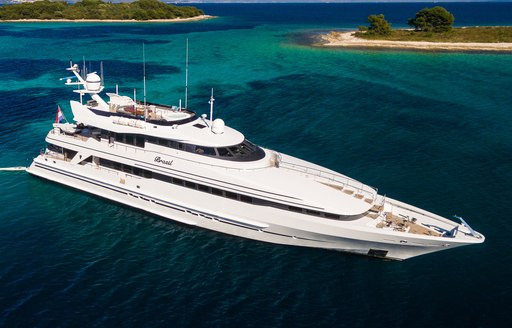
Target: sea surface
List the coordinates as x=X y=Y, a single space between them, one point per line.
x=429 y=128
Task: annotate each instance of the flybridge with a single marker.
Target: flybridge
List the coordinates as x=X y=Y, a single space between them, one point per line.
x=124 y=107
x=128 y=111
x=173 y=126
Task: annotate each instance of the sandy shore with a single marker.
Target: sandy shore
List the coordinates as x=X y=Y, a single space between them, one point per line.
x=347 y=39
x=174 y=20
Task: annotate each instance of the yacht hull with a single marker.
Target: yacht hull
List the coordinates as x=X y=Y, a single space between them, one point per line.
x=270 y=226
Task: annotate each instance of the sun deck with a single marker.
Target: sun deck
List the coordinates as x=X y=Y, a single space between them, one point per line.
x=392 y=215
x=123 y=106
x=404 y=224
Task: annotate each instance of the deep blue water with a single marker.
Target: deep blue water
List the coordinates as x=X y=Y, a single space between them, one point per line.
x=352 y=15
x=431 y=129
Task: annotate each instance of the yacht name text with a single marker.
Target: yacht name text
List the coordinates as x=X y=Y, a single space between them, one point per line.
x=163 y=161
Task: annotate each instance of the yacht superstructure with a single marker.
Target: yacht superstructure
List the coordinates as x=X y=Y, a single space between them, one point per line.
x=168 y=161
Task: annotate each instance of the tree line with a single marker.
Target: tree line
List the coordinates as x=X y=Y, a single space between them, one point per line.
x=97 y=9
x=431 y=20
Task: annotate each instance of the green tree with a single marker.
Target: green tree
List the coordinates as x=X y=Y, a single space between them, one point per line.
x=96 y=9
x=378 y=25
x=435 y=19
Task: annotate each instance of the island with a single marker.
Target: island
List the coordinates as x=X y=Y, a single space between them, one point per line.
x=97 y=10
x=431 y=30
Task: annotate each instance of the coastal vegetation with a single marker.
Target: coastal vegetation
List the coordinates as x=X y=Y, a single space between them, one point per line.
x=481 y=34
x=435 y=25
x=436 y=19
x=378 y=25
x=96 y=9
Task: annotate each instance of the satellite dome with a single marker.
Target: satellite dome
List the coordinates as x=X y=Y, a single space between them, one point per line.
x=218 y=126
x=93 y=82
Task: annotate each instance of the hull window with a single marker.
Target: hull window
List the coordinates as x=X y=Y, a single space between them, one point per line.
x=224 y=193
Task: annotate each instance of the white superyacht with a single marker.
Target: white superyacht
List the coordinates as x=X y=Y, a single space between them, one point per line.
x=195 y=170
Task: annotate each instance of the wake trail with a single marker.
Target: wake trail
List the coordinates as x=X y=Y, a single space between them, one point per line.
x=13 y=168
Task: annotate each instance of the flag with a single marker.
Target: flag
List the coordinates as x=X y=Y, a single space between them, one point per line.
x=59 y=117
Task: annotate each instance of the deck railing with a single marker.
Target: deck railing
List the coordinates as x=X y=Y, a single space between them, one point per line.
x=328 y=177
x=276 y=160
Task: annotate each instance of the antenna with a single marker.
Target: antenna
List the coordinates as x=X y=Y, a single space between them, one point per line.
x=211 y=109
x=84 y=71
x=144 y=72
x=101 y=73
x=186 y=78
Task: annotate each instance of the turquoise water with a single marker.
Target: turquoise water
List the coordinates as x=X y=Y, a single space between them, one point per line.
x=431 y=129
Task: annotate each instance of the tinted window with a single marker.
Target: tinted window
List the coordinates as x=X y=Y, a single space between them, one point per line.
x=295 y=209
x=189 y=184
x=139 y=141
x=224 y=152
x=129 y=139
x=231 y=195
x=311 y=212
x=332 y=216
x=203 y=188
x=216 y=191
x=54 y=148
x=246 y=199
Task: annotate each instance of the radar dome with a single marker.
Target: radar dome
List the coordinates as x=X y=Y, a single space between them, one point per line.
x=93 y=82
x=218 y=126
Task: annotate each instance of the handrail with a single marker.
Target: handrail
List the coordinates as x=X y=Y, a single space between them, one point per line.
x=344 y=180
x=358 y=186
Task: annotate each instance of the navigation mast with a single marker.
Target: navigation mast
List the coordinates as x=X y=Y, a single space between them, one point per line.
x=186 y=77
x=101 y=74
x=144 y=73
x=211 y=109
